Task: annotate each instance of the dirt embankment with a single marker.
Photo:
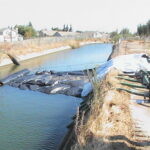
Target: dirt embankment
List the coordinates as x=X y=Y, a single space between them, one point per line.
x=109 y=124
x=131 y=47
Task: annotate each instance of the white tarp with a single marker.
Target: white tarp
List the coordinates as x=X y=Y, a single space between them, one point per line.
x=128 y=63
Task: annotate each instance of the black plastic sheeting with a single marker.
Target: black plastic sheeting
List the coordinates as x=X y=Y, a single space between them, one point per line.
x=14 y=76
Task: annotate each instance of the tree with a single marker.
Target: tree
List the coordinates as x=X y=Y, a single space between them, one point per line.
x=114 y=33
x=139 y=30
x=29 y=32
x=64 y=27
x=125 y=33
x=30 y=24
x=148 y=27
x=115 y=36
x=70 y=29
x=26 y=30
x=144 y=30
x=56 y=29
x=67 y=28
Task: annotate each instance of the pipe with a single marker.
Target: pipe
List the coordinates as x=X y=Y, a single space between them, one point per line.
x=12 y=58
x=128 y=79
x=134 y=85
x=135 y=93
x=130 y=75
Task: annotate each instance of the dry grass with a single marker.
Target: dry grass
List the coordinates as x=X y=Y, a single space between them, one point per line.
x=17 y=49
x=109 y=125
x=74 y=44
x=132 y=46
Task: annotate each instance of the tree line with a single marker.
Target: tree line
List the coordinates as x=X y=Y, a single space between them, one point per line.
x=144 y=29
x=66 y=28
x=124 y=33
x=28 y=31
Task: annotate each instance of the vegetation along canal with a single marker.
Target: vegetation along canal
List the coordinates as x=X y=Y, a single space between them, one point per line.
x=32 y=120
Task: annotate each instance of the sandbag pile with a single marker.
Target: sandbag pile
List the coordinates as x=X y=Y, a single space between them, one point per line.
x=68 y=83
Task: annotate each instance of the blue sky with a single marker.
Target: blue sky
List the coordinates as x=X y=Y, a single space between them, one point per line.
x=102 y=15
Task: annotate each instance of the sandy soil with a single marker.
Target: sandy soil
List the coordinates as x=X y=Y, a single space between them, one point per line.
x=140 y=112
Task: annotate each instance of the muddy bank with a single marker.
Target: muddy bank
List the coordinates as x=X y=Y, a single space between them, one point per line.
x=49 y=82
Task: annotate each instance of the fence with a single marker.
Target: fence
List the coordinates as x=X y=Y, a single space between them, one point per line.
x=49 y=40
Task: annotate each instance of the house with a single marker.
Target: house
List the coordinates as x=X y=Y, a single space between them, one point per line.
x=46 y=33
x=43 y=33
x=57 y=34
x=10 y=35
x=52 y=33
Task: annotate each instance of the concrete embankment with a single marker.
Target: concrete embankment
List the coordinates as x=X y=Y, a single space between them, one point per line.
x=30 y=55
x=33 y=55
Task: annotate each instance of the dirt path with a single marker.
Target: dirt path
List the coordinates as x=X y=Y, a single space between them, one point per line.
x=141 y=118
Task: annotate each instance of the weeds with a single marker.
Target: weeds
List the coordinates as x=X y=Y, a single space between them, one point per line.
x=74 y=44
x=109 y=117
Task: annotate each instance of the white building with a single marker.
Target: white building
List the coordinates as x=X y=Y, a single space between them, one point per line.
x=10 y=35
x=96 y=34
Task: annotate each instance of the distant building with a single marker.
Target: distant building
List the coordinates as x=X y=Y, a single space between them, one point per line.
x=95 y=34
x=10 y=35
x=51 y=33
x=43 y=33
x=57 y=34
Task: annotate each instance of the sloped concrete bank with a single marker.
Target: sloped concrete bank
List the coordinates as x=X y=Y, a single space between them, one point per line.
x=34 y=55
x=41 y=53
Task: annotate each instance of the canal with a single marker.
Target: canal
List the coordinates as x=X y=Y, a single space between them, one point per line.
x=35 y=121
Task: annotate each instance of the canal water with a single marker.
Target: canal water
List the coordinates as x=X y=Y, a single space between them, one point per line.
x=35 y=121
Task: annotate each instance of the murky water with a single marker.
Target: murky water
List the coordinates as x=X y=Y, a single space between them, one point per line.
x=86 y=57
x=35 y=121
